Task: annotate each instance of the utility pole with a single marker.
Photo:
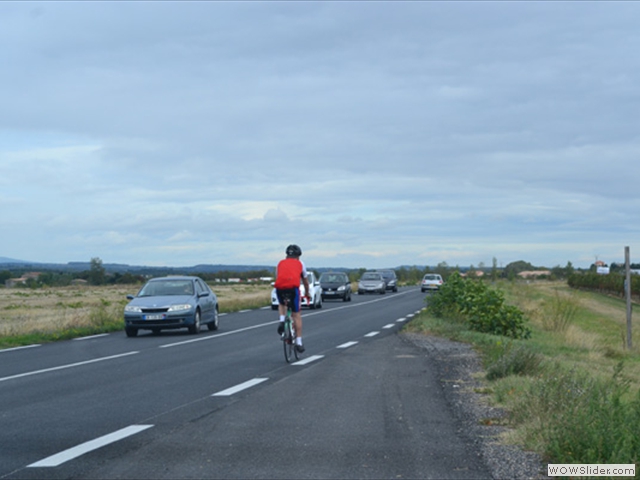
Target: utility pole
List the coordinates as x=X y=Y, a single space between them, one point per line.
x=627 y=293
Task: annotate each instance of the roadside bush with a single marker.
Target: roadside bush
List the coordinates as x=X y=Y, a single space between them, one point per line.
x=580 y=419
x=482 y=307
x=447 y=302
x=558 y=313
x=514 y=361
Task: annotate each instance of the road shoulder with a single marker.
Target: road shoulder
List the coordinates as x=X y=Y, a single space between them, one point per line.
x=457 y=368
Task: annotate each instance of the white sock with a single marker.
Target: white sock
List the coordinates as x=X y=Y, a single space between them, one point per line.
x=282 y=318
x=299 y=340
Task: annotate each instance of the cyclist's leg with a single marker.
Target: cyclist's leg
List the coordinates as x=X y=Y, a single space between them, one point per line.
x=282 y=309
x=296 y=316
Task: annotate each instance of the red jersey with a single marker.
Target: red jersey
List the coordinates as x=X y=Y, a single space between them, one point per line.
x=289 y=273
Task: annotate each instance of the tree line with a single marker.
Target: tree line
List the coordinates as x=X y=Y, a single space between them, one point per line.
x=407 y=275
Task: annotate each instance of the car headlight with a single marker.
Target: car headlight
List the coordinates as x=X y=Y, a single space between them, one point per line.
x=180 y=307
x=341 y=288
x=132 y=309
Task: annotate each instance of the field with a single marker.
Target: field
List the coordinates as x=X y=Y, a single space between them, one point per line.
x=40 y=315
x=572 y=390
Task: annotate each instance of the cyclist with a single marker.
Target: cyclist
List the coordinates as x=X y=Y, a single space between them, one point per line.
x=288 y=275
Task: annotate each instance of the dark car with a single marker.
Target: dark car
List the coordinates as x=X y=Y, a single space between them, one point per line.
x=335 y=285
x=371 y=282
x=390 y=279
x=170 y=303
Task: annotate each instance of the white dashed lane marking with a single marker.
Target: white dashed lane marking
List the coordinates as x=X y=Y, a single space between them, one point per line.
x=71 y=453
x=240 y=387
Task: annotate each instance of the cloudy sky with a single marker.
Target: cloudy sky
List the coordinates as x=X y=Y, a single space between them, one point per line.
x=372 y=134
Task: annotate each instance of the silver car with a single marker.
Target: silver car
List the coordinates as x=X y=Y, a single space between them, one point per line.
x=371 y=282
x=431 y=281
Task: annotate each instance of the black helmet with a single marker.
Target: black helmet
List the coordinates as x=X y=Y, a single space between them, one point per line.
x=293 y=251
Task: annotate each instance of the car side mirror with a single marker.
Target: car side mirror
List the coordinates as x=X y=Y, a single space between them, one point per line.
x=203 y=294
x=130 y=297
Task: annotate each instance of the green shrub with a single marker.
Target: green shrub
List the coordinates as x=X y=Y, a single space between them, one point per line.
x=580 y=419
x=558 y=313
x=514 y=361
x=483 y=308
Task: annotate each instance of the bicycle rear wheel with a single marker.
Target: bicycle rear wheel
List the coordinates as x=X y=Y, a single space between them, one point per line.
x=288 y=342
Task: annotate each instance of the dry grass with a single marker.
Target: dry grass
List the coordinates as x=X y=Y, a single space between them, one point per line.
x=594 y=340
x=24 y=311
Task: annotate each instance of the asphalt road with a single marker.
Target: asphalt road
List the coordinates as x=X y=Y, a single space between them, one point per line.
x=361 y=403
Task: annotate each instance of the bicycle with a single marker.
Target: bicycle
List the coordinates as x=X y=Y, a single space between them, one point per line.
x=289 y=337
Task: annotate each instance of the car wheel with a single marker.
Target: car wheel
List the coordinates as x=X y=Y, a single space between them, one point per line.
x=274 y=307
x=213 y=325
x=195 y=328
x=131 y=332
x=319 y=302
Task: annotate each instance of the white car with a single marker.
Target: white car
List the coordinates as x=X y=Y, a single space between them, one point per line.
x=431 y=281
x=316 y=294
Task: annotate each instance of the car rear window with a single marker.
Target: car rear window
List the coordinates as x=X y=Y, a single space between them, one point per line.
x=333 y=278
x=371 y=276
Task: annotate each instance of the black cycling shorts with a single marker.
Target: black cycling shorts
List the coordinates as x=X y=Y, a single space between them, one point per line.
x=292 y=294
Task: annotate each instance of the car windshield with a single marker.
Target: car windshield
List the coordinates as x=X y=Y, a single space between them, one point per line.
x=371 y=276
x=167 y=287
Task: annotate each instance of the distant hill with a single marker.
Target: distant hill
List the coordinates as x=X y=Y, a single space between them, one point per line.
x=13 y=264
x=11 y=260
x=7 y=263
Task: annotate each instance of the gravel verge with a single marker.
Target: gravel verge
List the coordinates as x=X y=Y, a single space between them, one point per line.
x=457 y=365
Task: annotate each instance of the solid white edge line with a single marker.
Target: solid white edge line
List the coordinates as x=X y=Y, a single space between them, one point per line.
x=74 y=452
x=90 y=336
x=347 y=345
x=20 y=348
x=217 y=335
x=240 y=387
x=312 y=358
x=308 y=313
x=62 y=367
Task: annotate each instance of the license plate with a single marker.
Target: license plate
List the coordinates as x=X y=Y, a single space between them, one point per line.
x=158 y=316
